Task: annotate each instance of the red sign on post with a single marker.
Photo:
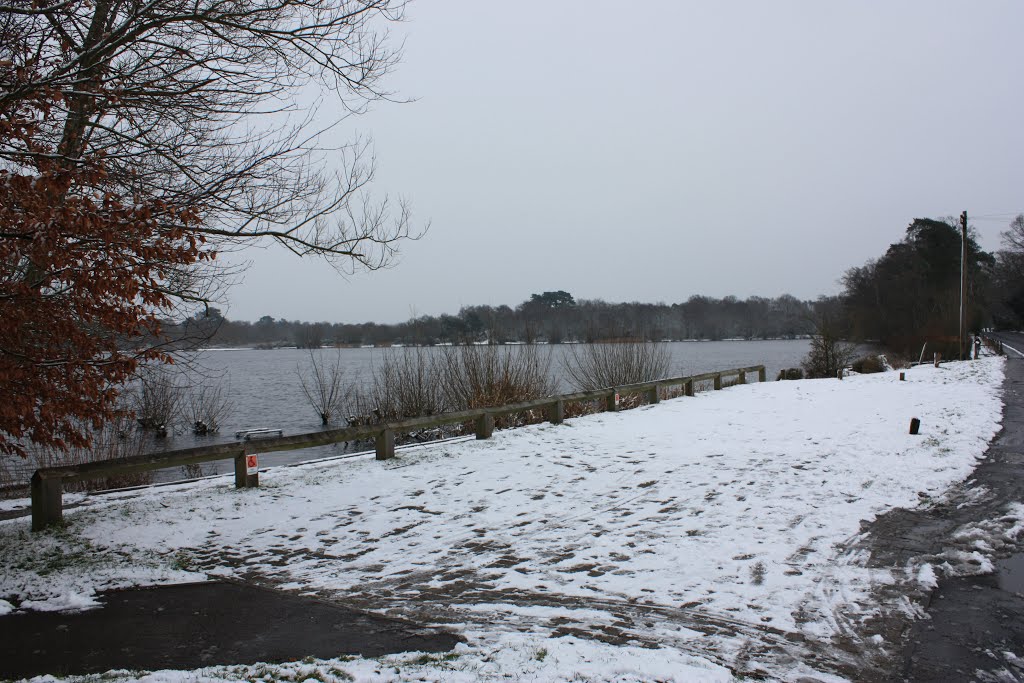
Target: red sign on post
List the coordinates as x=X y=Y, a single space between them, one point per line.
x=252 y=464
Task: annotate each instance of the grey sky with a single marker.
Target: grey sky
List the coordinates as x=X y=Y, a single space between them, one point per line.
x=651 y=151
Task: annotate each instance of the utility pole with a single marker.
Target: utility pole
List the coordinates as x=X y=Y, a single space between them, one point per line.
x=963 y=281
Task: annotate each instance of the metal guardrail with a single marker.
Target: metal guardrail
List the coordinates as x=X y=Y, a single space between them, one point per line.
x=47 y=483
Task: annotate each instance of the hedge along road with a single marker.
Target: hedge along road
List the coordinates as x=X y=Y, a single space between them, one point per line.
x=974 y=628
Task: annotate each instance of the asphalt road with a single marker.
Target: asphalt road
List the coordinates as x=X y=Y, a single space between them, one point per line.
x=202 y=624
x=975 y=625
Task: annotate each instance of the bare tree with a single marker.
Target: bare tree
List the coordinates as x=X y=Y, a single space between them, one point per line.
x=323 y=383
x=1013 y=238
x=170 y=130
x=1007 y=286
x=116 y=439
x=598 y=366
x=194 y=100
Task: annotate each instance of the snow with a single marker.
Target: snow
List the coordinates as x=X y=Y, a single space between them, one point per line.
x=65 y=602
x=974 y=545
x=707 y=528
x=926 y=576
x=533 y=658
x=1010 y=671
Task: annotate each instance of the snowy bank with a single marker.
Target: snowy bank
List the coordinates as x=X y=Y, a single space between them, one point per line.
x=712 y=527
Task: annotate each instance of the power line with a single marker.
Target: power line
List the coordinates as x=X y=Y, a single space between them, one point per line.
x=996 y=216
x=999 y=214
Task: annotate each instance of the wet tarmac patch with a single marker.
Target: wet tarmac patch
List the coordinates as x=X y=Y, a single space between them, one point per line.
x=204 y=624
x=973 y=627
x=1010 y=573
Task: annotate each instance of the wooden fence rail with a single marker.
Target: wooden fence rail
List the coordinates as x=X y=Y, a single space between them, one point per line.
x=48 y=483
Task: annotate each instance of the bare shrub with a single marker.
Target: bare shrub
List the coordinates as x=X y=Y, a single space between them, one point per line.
x=205 y=408
x=196 y=470
x=488 y=376
x=828 y=355
x=406 y=383
x=114 y=440
x=869 y=364
x=580 y=408
x=156 y=399
x=993 y=345
x=611 y=364
x=323 y=384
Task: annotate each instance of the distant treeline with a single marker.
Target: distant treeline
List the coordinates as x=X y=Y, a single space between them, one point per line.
x=908 y=296
x=552 y=317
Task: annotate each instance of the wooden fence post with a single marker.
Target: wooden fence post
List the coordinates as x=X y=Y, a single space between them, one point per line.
x=556 y=412
x=244 y=480
x=688 y=388
x=718 y=381
x=385 y=445
x=762 y=375
x=485 y=426
x=610 y=403
x=47 y=502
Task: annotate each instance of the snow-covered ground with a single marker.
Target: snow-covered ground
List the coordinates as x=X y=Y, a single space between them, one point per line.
x=687 y=541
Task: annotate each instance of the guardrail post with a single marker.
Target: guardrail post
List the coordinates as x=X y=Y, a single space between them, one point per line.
x=485 y=426
x=611 y=403
x=718 y=381
x=385 y=445
x=652 y=395
x=556 y=412
x=762 y=374
x=688 y=387
x=244 y=480
x=743 y=377
x=47 y=503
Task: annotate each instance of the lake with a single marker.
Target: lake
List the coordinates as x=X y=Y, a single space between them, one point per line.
x=263 y=389
x=263 y=386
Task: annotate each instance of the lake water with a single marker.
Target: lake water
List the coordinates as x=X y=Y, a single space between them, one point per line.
x=263 y=387
x=264 y=390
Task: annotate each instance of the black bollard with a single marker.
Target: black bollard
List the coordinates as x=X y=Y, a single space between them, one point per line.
x=915 y=425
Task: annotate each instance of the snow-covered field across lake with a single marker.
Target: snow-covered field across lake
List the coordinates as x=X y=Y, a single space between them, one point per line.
x=693 y=540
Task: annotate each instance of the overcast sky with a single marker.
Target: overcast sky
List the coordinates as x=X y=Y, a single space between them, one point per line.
x=650 y=151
